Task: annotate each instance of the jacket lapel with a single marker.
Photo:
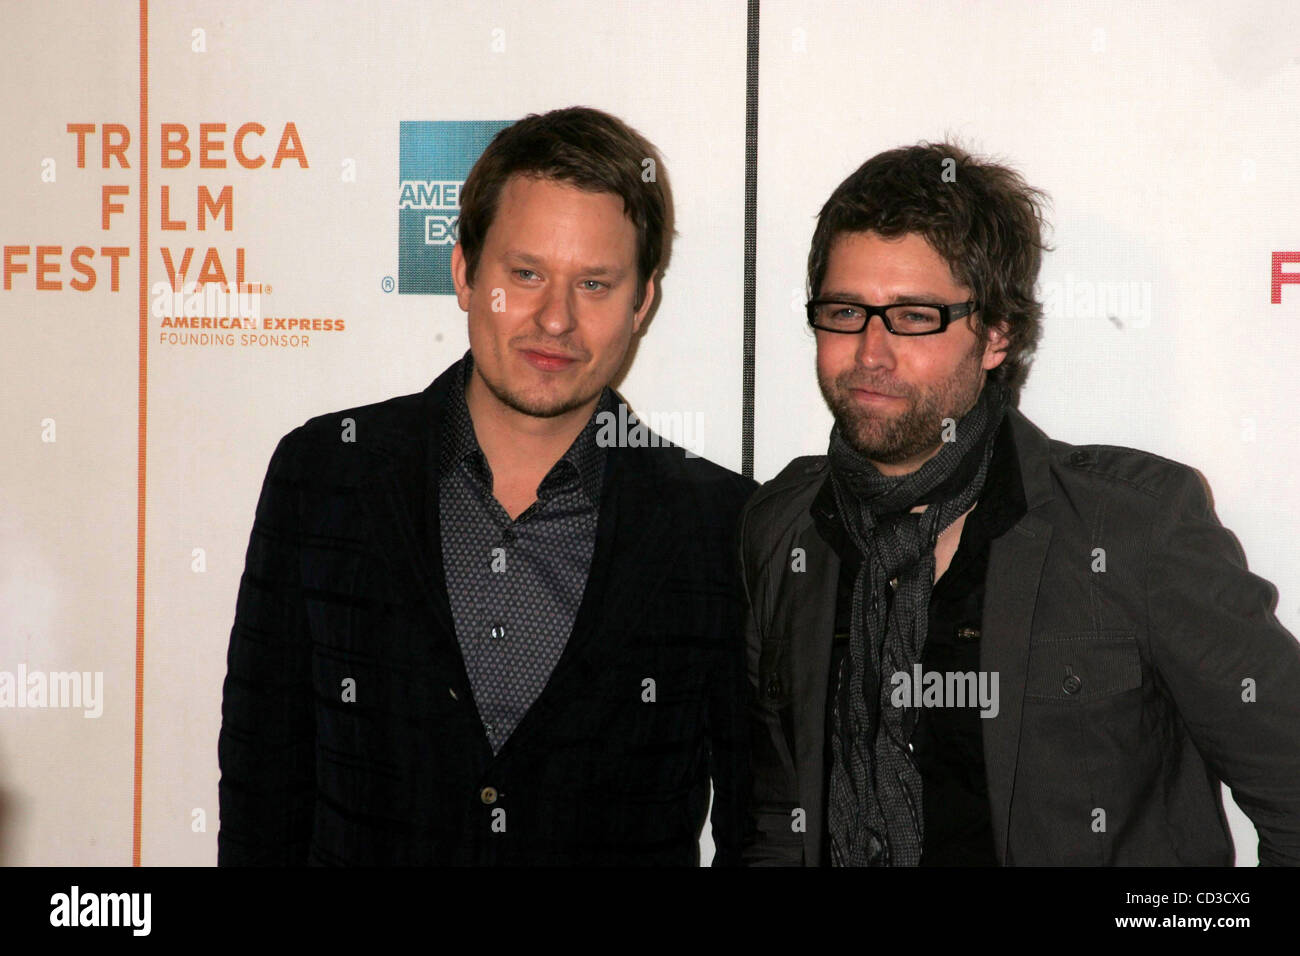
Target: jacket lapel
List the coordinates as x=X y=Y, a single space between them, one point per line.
x=401 y=498
x=1011 y=587
x=637 y=538
x=811 y=632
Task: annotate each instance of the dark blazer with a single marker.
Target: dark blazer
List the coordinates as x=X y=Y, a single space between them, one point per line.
x=1121 y=691
x=344 y=583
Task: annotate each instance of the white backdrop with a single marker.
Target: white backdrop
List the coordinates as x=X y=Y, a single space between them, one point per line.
x=1166 y=136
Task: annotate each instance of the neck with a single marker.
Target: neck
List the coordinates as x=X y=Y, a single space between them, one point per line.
x=516 y=443
x=898 y=469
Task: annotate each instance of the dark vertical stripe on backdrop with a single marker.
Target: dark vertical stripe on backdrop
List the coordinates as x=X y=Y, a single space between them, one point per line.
x=751 y=227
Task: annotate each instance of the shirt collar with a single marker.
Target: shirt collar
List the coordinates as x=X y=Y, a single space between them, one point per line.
x=585 y=458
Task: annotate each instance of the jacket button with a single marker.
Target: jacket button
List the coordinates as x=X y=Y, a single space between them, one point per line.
x=1072 y=684
x=774 y=688
x=1079 y=458
x=488 y=795
x=968 y=633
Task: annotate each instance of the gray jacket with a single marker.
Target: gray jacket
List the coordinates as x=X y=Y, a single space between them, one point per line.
x=1126 y=694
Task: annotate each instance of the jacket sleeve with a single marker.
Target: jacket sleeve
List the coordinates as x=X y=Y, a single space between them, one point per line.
x=1231 y=667
x=266 y=749
x=771 y=838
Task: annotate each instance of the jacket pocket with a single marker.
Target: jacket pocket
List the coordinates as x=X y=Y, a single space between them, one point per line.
x=1080 y=666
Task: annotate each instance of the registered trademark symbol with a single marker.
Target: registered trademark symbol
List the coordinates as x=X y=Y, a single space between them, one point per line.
x=266 y=288
x=387 y=283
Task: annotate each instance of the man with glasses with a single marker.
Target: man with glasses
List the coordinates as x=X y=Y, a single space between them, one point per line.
x=971 y=644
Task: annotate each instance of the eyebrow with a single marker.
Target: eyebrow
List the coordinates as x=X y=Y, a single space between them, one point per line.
x=908 y=298
x=605 y=271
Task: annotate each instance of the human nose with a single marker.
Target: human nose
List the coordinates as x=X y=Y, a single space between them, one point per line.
x=875 y=347
x=555 y=311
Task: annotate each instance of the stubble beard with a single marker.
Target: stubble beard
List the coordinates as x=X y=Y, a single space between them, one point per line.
x=895 y=437
x=535 y=406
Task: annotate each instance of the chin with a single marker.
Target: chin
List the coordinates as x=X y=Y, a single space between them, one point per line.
x=543 y=403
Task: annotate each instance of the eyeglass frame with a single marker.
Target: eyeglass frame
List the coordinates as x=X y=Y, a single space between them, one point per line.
x=946 y=314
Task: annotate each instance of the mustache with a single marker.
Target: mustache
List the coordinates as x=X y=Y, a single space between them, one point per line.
x=847 y=381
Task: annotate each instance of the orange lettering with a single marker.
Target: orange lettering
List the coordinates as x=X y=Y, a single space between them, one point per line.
x=114 y=253
x=80 y=129
x=211 y=270
x=118 y=149
x=107 y=205
x=224 y=201
x=174 y=137
x=243 y=131
x=11 y=267
x=171 y=269
x=164 y=209
x=285 y=151
x=207 y=146
x=78 y=254
x=42 y=267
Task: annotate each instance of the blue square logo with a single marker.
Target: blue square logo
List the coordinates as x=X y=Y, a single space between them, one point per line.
x=435 y=158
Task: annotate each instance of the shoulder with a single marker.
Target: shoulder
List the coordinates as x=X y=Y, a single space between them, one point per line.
x=1121 y=472
x=784 y=501
x=1090 y=486
x=689 y=476
x=348 y=442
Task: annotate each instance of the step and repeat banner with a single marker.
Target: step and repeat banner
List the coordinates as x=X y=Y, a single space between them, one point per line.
x=223 y=218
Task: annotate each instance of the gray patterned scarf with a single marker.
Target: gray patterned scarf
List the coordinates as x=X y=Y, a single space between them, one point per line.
x=875 y=810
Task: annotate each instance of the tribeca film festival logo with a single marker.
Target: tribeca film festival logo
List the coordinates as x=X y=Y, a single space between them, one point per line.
x=435 y=157
x=56 y=690
x=179 y=148
x=207 y=288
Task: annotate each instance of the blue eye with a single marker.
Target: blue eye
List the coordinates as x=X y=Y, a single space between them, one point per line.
x=520 y=273
x=593 y=282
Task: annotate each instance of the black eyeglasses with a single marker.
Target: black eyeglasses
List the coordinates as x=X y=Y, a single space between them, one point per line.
x=902 y=318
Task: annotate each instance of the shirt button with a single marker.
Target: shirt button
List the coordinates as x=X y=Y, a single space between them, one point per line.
x=1072 y=684
x=498 y=631
x=893 y=582
x=488 y=795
